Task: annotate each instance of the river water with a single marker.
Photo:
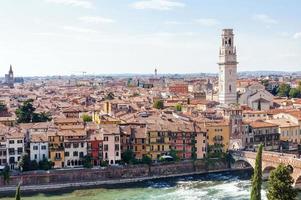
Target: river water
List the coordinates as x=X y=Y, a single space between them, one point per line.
x=218 y=186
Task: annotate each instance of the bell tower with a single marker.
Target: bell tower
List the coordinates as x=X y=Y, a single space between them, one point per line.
x=227 y=69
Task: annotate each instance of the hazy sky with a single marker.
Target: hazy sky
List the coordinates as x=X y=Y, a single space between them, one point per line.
x=46 y=37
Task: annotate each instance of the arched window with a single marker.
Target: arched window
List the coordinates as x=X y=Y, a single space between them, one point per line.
x=230 y=88
x=230 y=41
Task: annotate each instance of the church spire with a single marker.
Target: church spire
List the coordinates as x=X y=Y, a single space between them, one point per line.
x=10 y=69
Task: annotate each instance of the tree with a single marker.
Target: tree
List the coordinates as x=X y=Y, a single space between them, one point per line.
x=18 y=193
x=178 y=107
x=45 y=164
x=257 y=176
x=6 y=174
x=284 y=90
x=26 y=114
x=174 y=154
x=87 y=118
x=128 y=156
x=87 y=162
x=26 y=164
x=146 y=160
x=280 y=184
x=294 y=93
x=159 y=104
x=41 y=117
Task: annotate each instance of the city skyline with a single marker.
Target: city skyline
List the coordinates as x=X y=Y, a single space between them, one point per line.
x=64 y=37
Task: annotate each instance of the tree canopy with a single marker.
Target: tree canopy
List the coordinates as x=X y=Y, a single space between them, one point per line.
x=159 y=104
x=26 y=113
x=284 y=90
x=87 y=118
x=280 y=184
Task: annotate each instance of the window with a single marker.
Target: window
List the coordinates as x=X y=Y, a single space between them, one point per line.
x=75 y=153
x=11 y=142
x=81 y=154
x=66 y=154
x=106 y=138
x=116 y=138
x=75 y=145
x=116 y=147
x=20 y=150
x=117 y=153
x=43 y=147
x=82 y=145
x=11 y=151
x=35 y=156
x=35 y=147
x=67 y=145
x=106 y=147
x=57 y=156
x=19 y=141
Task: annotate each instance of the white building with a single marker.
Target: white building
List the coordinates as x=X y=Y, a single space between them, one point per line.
x=256 y=97
x=111 y=143
x=227 y=69
x=38 y=147
x=15 y=146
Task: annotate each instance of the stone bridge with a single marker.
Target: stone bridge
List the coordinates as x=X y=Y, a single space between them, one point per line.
x=270 y=161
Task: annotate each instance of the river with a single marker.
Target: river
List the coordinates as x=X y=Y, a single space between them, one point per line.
x=218 y=186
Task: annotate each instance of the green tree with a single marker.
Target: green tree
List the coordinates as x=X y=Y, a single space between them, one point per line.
x=26 y=114
x=18 y=192
x=257 y=176
x=26 y=164
x=159 y=104
x=294 y=93
x=41 y=117
x=280 y=184
x=128 y=156
x=6 y=174
x=284 y=90
x=178 y=107
x=146 y=160
x=174 y=154
x=265 y=83
x=87 y=118
x=87 y=162
x=45 y=164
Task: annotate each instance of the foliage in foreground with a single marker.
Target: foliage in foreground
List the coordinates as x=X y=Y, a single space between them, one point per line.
x=280 y=184
x=257 y=177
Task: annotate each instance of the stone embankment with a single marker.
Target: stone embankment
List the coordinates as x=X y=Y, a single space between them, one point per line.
x=77 y=178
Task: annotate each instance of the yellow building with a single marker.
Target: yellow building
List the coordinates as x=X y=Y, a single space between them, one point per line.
x=56 y=149
x=218 y=132
x=289 y=131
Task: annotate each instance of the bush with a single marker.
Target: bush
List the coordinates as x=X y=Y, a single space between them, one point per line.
x=146 y=160
x=159 y=104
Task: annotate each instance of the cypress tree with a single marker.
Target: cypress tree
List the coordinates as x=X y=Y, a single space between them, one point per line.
x=18 y=194
x=257 y=176
x=280 y=185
